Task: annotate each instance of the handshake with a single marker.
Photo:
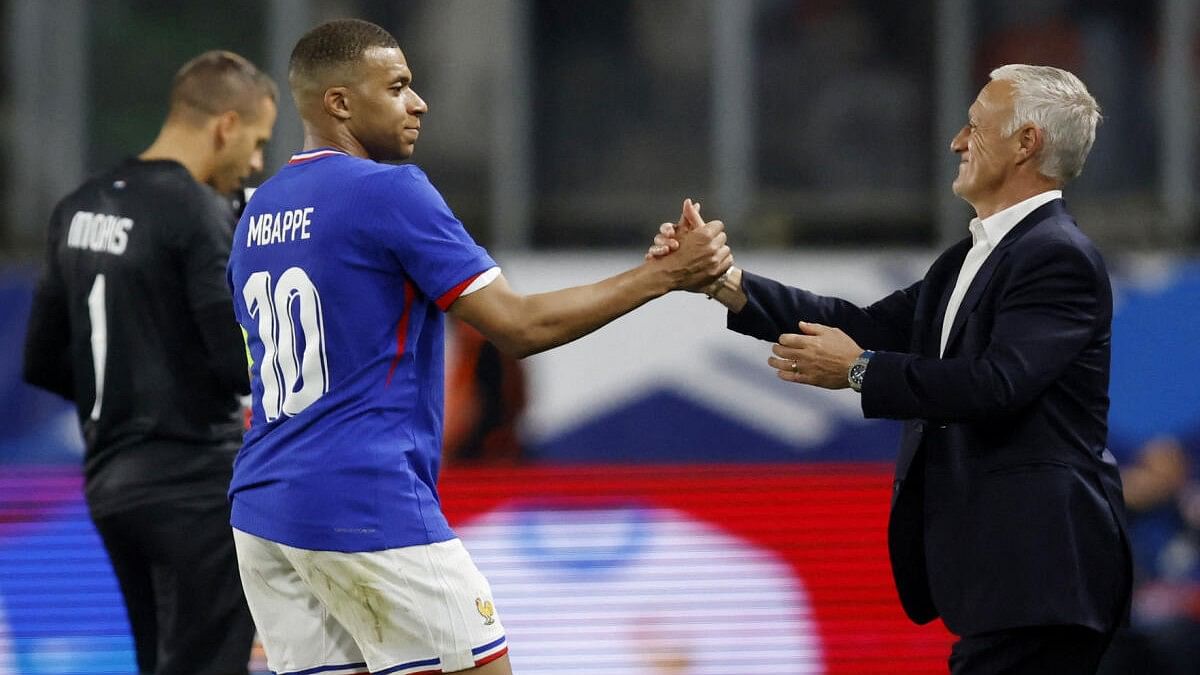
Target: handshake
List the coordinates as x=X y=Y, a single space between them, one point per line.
x=694 y=254
x=698 y=259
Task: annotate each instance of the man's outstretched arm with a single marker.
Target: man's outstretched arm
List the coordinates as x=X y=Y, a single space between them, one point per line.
x=765 y=309
x=522 y=325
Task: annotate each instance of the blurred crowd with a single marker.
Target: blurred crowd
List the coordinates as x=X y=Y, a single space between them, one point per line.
x=1162 y=493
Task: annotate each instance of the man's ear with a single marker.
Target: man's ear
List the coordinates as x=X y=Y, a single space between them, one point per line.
x=1030 y=139
x=337 y=103
x=225 y=127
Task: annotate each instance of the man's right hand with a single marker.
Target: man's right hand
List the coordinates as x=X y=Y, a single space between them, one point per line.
x=696 y=252
x=667 y=240
x=726 y=289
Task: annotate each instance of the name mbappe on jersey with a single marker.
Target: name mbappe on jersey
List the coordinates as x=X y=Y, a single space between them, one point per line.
x=279 y=227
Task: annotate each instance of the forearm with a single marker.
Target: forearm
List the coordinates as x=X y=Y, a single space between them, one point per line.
x=525 y=325
x=47 y=357
x=906 y=386
x=998 y=383
x=522 y=325
x=225 y=347
x=559 y=317
x=770 y=309
x=49 y=371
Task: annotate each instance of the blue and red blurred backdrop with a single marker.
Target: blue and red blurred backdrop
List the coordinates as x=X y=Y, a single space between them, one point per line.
x=679 y=510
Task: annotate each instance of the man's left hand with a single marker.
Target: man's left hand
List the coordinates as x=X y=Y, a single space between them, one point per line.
x=819 y=355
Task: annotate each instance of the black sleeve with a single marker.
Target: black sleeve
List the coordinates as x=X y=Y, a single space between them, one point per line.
x=773 y=309
x=226 y=347
x=204 y=253
x=48 y=334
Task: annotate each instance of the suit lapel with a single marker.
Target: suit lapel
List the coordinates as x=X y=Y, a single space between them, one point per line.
x=945 y=281
x=980 y=282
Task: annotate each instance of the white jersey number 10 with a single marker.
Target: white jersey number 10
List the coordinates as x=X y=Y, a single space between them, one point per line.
x=292 y=379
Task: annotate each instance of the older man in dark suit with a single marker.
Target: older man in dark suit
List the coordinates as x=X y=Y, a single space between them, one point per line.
x=1007 y=516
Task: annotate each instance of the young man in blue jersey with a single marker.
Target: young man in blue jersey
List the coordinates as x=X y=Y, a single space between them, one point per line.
x=342 y=268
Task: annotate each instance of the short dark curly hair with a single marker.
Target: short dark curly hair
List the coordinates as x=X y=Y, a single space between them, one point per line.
x=332 y=44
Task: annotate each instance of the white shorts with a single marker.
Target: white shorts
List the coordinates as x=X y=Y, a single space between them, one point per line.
x=403 y=611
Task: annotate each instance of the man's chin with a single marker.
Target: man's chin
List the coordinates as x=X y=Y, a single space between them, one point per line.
x=223 y=187
x=400 y=154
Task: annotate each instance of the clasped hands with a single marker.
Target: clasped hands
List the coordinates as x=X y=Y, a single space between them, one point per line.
x=700 y=255
x=818 y=355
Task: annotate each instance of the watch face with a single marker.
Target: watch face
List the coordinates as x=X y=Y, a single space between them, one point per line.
x=857 y=370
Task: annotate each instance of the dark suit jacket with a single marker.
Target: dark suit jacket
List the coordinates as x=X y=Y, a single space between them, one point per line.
x=1007 y=507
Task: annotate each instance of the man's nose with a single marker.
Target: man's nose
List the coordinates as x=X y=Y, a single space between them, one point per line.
x=418 y=106
x=959 y=142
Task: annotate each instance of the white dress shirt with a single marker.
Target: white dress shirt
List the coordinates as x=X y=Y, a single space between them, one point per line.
x=985 y=236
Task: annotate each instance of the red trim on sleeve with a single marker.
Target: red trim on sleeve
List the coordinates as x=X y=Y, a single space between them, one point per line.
x=402 y=329
x=451 y=295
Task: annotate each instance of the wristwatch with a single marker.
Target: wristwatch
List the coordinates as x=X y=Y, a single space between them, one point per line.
x=858 y=369
x=726 y=284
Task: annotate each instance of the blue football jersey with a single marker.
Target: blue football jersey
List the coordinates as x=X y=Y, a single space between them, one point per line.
x=341 y=270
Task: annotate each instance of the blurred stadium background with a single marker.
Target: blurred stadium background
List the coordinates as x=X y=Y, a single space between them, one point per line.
x=661 y=503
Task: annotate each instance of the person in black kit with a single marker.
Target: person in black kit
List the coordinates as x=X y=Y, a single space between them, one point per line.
x=133 y=321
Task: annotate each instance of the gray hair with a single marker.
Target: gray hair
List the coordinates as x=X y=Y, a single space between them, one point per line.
x=1059 y=104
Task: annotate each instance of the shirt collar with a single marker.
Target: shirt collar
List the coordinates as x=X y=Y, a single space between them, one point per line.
x=317 y=153
x=994 y=227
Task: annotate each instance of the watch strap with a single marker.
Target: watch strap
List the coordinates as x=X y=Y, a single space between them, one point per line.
x=858 y=370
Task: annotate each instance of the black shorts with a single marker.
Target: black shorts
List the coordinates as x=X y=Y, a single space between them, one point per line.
x=177 y=569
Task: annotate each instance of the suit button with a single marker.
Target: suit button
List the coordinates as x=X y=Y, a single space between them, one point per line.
x=943 y=427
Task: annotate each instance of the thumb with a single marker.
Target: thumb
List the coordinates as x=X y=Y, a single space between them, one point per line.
x=692 y=212
x=682 y=225
x=812 y=328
